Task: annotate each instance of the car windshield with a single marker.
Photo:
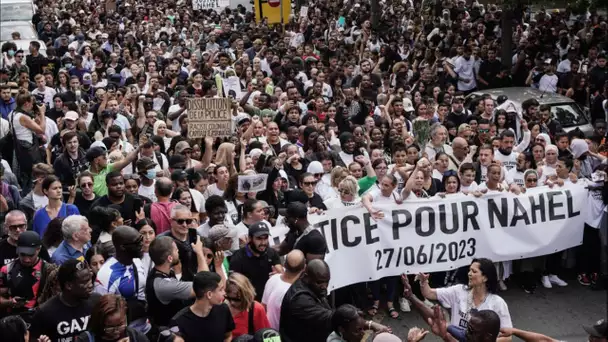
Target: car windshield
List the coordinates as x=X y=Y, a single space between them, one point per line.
x=568 y=114
x=25 y=31
x=10 y=12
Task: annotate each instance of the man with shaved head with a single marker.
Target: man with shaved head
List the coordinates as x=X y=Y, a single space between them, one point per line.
x=460 y=148
x=278 y=284
x=305 y=311
x=125 y=275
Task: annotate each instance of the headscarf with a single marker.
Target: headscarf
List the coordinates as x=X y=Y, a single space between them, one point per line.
x=578 y=147
x=545 y=137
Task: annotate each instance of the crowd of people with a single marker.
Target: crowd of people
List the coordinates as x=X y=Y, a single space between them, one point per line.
x=118 y=226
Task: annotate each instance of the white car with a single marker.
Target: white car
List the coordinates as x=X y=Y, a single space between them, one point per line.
x=25 y=28
x=16 y=10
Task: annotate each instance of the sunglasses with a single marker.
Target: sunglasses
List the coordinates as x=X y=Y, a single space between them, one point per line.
x=182 y=221
x=344 y=191
x=131 y=176
x=483 y=130
x=531 y=180
x=309 y=183
x=21 y=227
x=86 y=185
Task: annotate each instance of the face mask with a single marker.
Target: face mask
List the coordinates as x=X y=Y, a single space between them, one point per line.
x=150 y=174
x=68 y=65
x=11 y=53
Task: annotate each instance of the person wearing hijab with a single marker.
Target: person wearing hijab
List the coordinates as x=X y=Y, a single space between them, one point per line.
x=585 y=160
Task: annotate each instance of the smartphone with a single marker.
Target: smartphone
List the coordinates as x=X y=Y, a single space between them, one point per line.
x=192 y=235
x=137 y=204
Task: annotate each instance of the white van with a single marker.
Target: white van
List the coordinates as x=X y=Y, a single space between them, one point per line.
x=16 y=10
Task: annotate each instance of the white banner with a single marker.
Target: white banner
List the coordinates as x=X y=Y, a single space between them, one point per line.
x=217 y=5
x=441 y=235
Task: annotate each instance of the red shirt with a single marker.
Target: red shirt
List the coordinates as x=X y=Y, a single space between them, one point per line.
x=241 y=320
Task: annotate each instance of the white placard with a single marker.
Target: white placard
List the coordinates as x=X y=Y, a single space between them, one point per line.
x=232 y=84
x=252 y=183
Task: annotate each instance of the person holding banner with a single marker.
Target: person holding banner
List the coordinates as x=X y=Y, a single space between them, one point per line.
x=478 y=294
x=301 y=234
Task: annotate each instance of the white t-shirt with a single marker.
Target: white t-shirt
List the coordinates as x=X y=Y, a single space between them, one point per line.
x=338 y=203
x=548 y=83
x=213 y=190
x=198 y=199
x=465 y=189
x=465 y=69
x=148 y=191
x=509 y=161
x=40 y=201
x=378 y=198
x=514 y=176
x=596 y=207
x=456 y=297
x=274 y=291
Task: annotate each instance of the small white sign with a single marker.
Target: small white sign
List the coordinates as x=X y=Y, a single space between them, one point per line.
x=252 y=183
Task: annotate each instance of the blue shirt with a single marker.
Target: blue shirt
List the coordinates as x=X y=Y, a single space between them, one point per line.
x=65 y=252
x=41 y=217
x=7 y=108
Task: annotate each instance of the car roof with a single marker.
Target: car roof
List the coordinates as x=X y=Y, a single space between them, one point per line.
x=7 y=2
x=8 y=27
x=520 y=94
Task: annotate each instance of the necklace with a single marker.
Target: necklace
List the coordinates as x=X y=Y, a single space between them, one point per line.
x=471 y=304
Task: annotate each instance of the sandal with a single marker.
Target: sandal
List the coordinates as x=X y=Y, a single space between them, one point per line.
x=373 y=310
x=393 y=313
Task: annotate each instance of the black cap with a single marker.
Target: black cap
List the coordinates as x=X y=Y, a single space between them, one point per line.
x=179 y=175
x=598 y=330
x=260 y=228
x=95 y=152
x=177 y=161
x=28 y=243
x=144 y=164
x=295 y=210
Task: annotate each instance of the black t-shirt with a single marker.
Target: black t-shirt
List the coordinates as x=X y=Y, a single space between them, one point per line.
x=316 y=202
x=212 y=328
x=8 y=253
x=83 y=204
x=60 y=322
x=35 y=64
x=127 y=208
x=312 y=243
x=257 y=269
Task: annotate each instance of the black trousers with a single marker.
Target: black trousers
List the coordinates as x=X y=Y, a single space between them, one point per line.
x=588 y=258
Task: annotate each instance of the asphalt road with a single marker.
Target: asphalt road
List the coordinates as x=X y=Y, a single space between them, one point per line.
x=557 y=312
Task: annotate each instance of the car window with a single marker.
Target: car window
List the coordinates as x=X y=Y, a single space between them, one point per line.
x=568 y=114
x=10 y=12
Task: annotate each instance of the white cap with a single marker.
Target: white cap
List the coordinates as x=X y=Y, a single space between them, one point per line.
x=315 y=167
x=71 y=115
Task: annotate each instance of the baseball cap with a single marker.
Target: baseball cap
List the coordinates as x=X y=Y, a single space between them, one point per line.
x=295 y=210
x=144 y=164
x=218 y=232
x=177 y=161
x=181 y=146
x=179 y=175
x=259 y=229
x=28 y=243
x=87 y=79
x=71 y=115
x=95 y=152
x=599 y=329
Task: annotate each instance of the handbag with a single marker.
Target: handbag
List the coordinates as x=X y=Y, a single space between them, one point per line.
x=24 y=148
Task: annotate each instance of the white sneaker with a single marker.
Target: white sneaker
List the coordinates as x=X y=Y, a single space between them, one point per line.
x=555 y=280
x=502 y=286
x=404 y=305
x=546 y=282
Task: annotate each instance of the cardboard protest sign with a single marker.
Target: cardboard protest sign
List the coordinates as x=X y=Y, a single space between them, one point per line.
x=252 y=183
x=209 y=117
